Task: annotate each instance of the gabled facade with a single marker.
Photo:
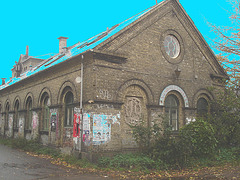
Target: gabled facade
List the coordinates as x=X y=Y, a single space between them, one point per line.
x=86 y=97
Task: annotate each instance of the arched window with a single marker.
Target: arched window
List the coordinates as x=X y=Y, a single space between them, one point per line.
x=16 y=115
x=7 y=116
x=45 y=113
x=28 y=124
x=202 y=107
x=68 y=109
x=172 y=111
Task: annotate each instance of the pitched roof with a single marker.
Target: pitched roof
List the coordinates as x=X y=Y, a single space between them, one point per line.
x=77 y=48
x=84 y=46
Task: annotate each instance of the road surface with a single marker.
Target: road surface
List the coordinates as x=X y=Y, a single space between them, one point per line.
x=17 y=165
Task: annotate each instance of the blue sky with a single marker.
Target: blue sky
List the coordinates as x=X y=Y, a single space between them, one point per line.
x=38 y=24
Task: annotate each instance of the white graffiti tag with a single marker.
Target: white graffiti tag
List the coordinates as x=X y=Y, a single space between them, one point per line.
x=105 y=94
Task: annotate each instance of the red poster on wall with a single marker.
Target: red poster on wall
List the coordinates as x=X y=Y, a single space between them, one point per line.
x=76 y=125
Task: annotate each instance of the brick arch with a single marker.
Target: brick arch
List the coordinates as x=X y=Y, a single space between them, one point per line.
x=170 y=88
x=14 y=102
x=136 y=82
x=202 y=93
x=43 y=91
x=66 y=86
x=25 y=100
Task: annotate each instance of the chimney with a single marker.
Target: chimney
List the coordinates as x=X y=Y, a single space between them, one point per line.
x=62 y=43
x=3 y=80
x=27 y=51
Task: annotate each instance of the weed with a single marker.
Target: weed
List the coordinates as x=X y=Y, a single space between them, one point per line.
x=128 y=161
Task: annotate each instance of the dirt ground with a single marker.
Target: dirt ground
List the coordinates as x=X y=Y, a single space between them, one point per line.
x=223 y=172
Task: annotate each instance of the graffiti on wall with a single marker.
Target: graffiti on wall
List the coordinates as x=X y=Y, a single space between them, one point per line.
x=10 y=125
x=86 y=128
x=54 y=120
x=21 y=125
x=10 y=121
x=104 y=106
x=189 y=120
x=76 y=122
x=35 y=120
x=101 y=128
x=104 y=94
x=133 y=110
x=21 y=121
x=157 y=116
x=115 y=118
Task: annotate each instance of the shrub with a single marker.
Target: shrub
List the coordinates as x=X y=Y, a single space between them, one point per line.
x=142 y=134
x=198 y=139
x=158 y=143
x=168 y=150
x=225 y=118
x=146 y=135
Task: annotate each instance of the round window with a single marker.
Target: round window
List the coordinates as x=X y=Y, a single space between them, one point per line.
x=172 y=46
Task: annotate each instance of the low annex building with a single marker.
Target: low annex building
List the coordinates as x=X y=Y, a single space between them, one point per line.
x=85 y=97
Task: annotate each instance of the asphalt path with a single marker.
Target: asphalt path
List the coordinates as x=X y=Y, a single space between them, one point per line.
x=17 y=165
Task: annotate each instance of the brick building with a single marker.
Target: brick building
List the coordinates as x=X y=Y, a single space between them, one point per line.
x=153 y=63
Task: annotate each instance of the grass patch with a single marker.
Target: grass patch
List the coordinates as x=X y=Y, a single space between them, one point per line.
x=83 y=163
x=129 y=161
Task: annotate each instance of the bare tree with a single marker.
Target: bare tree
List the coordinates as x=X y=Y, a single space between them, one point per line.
x=228 y=43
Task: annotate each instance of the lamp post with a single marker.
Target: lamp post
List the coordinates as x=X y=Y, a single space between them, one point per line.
x=81 y=106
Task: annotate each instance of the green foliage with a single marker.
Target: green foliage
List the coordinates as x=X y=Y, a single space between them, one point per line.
x=146 y=135
x=5 y=141
x=139 y=161
x=158 y=143
x=104 y=161
x=70 y=159
x=142 y=135
x=197 y=138
x=168 y=150
x=228 y=155
x=225 y=118
x=176 y=150
x=49 y=151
